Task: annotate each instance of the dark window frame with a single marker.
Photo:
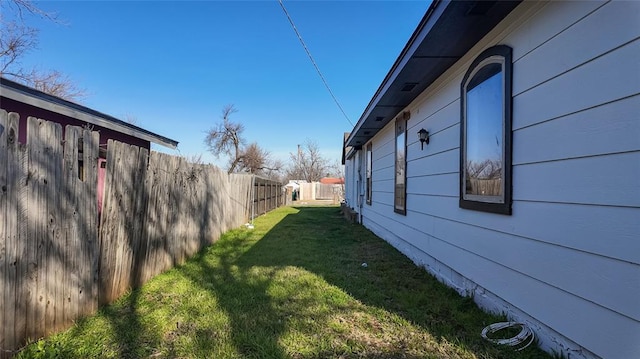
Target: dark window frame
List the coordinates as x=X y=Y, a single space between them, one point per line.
x=497 y=54
x=402 y=119
x=369 y=172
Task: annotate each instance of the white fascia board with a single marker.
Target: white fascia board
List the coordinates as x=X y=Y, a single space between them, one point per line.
x=402 y=60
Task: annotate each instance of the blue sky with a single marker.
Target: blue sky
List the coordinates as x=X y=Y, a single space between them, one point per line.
x=484 y=120
x=173 y=65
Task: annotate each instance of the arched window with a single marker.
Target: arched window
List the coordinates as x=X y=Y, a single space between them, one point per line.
x=485 y=132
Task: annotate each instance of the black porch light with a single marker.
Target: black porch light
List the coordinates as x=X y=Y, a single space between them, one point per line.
x=424 y=137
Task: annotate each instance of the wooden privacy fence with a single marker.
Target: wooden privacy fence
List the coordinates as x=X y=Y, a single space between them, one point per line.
x=267 y=196
x=329 y=191
x=484 y=187
x=321 y=191
x=60 y=259
x=157 y=216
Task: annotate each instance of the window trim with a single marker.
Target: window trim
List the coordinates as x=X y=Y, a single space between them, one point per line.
x=497 y=54
x=404 y=117
x=369 y=172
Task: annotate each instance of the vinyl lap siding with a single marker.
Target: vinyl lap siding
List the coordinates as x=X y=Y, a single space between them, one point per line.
x=382 y=179
x=568 y=259
x=350 y=177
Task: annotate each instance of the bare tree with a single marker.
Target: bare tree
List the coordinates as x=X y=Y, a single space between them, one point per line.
x=335 y=169
x=254 y=158
x=307 y=164
x=194 y=159
x=274 y=171
x=18 y=39
x=21 y=7
x=484 y=177
x=257 y=160
x=486 y=169
x=55 y=83
x=226 y=138
x=130 y=119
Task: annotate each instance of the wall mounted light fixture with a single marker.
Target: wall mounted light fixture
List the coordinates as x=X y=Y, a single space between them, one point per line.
x=423 y=135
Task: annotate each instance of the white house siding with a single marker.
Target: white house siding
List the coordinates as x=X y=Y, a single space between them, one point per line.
x=350 y=182
x=568 y=260
x=354 y=181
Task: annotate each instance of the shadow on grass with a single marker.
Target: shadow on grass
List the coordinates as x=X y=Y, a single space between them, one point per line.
x=254 y=326
x=249 y=284
x=294 y=290
x=265 y=290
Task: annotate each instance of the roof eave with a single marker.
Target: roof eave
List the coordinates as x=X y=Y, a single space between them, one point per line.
x=33 y=97
x=441 y=38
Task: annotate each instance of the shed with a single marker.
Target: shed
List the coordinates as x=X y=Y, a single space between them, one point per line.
x=29 y=102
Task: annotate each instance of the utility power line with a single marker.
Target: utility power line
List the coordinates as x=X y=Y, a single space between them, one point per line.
x=313 y=61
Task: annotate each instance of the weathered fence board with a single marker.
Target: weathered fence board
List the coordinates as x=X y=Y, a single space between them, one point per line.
x=3 y=214
x=36 y=235
x=88 y=291
x=71 y=202
x=55 y=252
x=108 y=235
x=17 y=234
x=10 y=171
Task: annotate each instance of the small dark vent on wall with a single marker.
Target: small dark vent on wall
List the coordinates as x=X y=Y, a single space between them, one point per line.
x=379 y=118
x=480 y=7
x=408 y=86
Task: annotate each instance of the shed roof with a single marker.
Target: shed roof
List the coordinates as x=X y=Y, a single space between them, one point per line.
x=331 y=180
x=25 y=94
x=446 y=32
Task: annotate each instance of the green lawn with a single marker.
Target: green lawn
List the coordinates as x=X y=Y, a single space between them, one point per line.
x=293 y=287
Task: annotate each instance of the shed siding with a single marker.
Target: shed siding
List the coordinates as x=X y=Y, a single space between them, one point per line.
x=568 y=259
